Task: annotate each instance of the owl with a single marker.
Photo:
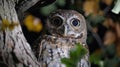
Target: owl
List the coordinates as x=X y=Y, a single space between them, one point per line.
x=64 y=28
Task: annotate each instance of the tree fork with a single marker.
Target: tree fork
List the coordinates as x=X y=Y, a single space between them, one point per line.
x=14 y=48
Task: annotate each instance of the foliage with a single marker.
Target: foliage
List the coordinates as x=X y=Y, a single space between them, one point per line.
x=33 y=23
x=95 y=58
x=48 y=9
x=60 y=2
x=75 y=55
x=111 y=60
x=95 y=20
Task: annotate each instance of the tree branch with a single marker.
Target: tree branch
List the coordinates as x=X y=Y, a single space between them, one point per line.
x=98 y=39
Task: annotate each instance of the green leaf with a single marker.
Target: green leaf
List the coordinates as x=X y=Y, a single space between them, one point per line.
x=95 y=20
x=68 y=62
x=61 y=2
x=99 y=19
x=109 y=51
x=75 y=55
x=95 y=58
x=113 y=62
x=48 y=9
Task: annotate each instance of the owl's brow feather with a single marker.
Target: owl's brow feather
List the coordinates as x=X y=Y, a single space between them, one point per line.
x=64 y=13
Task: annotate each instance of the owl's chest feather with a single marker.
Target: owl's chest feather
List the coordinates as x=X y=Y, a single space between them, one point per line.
x=53 y=49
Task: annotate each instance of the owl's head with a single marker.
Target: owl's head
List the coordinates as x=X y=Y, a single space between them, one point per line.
x=67 y=23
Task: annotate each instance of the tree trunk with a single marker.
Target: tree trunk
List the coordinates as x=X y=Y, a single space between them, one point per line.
x=15 y=50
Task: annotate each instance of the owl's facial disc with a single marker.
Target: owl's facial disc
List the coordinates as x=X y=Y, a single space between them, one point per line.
x=68 y=32
x=75 y=22
x=72 y=28
x=56 y=21
x=66 y=24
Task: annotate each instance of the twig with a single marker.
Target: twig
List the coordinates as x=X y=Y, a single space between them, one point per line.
x=98 y=39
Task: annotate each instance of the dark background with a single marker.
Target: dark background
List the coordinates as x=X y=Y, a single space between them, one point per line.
x=103 y=36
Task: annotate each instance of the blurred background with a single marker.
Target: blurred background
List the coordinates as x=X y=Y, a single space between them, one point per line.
x=103 y=27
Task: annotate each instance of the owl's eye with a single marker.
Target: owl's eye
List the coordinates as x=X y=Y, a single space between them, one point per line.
x=56 y=21
x=75 y=22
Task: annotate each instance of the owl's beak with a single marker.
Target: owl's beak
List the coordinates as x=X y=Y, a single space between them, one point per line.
x=65 y=30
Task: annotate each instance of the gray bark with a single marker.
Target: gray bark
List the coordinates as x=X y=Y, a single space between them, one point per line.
x=15 y=50
x=23 y=5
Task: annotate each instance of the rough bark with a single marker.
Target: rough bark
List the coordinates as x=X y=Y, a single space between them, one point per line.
x=15 y=50
x=24 y=5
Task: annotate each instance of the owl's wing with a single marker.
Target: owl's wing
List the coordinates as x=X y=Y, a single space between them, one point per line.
x=35 y=45
x=83 y=63
x=40 y=49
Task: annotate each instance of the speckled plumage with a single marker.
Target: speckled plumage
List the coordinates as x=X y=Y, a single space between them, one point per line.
x=64 y=33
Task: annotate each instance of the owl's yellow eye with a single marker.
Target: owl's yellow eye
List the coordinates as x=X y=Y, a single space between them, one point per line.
x=75 y=22
x=56 y=21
